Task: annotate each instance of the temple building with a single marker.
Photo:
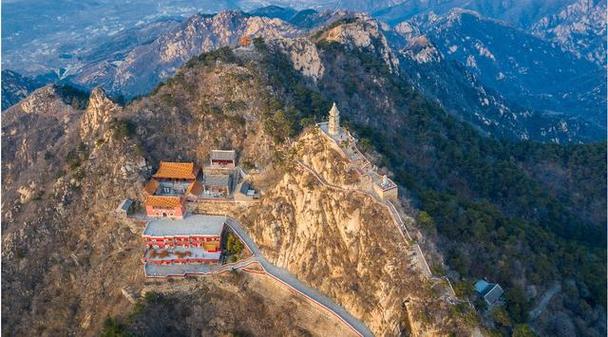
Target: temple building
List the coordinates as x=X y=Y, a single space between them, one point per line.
x=177 y=172
x=170 y=187
x=125 y=208
x=220 y=175
x=217 y=185
x=490 y=292
x=165 y=206
x=222 y=159
x=384 y=187
x=194 y=239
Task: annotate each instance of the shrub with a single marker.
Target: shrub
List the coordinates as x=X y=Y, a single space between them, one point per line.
x=73 y=159
x=152 y=297
x=259 y=44
x=279 y=125
x=75 y=156
x=501 y=317
x=517 y=304
x=234 y=246
x=223 y=54
x=112 y=328
x=122 y=128
x=523 y=330
x=73 y=96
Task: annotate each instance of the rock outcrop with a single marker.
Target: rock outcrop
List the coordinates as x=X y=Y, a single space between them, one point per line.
x=579 y=28
x=304 y=56
x=46 y=101
x=418 y=47
x=362 y=32
x=98 y=114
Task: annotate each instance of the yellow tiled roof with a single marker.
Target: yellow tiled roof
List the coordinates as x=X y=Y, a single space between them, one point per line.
x=175 y=170
x=195 y=188
x=163 y=201
x=151 y=187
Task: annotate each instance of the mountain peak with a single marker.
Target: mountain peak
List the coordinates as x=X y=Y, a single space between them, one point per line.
x=53 y=99
x=98 y=114
x=360 y=31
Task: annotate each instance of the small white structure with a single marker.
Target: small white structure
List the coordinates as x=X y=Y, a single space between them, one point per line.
x=334 y=121
x=384 y=187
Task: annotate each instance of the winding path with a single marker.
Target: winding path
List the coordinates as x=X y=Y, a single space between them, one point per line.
x=291 y=281
x=278 y=274
x=544 y=301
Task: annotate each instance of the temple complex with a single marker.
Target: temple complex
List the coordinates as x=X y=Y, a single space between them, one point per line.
x=178 y=242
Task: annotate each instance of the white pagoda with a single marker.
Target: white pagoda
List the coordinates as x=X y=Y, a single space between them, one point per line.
x=334 y=121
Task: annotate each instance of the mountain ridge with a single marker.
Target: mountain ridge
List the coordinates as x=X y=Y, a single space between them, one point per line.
x=256 y=99
x=454 y=66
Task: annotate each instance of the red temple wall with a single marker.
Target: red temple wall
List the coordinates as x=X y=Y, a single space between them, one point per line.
x=177 y=212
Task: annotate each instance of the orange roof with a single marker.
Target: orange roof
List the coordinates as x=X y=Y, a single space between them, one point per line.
x=163 y=201
x=174 y=170
x=195 y=188
x=151 y=187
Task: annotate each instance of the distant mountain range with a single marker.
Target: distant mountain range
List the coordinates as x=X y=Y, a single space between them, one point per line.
x=503 y=80
x=579 y=28
x=544 y=83
x=140 y=69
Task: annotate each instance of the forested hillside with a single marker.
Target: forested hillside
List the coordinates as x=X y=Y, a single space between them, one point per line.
x=522 y=214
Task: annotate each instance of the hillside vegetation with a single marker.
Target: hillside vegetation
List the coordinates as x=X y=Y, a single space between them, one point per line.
x=522 y=214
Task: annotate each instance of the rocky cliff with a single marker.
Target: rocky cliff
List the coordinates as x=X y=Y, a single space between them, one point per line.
x=98 y=114
x=346 y=244
x=579 y=27
x=361 y=32
x=501 y=88
x=65 y=255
